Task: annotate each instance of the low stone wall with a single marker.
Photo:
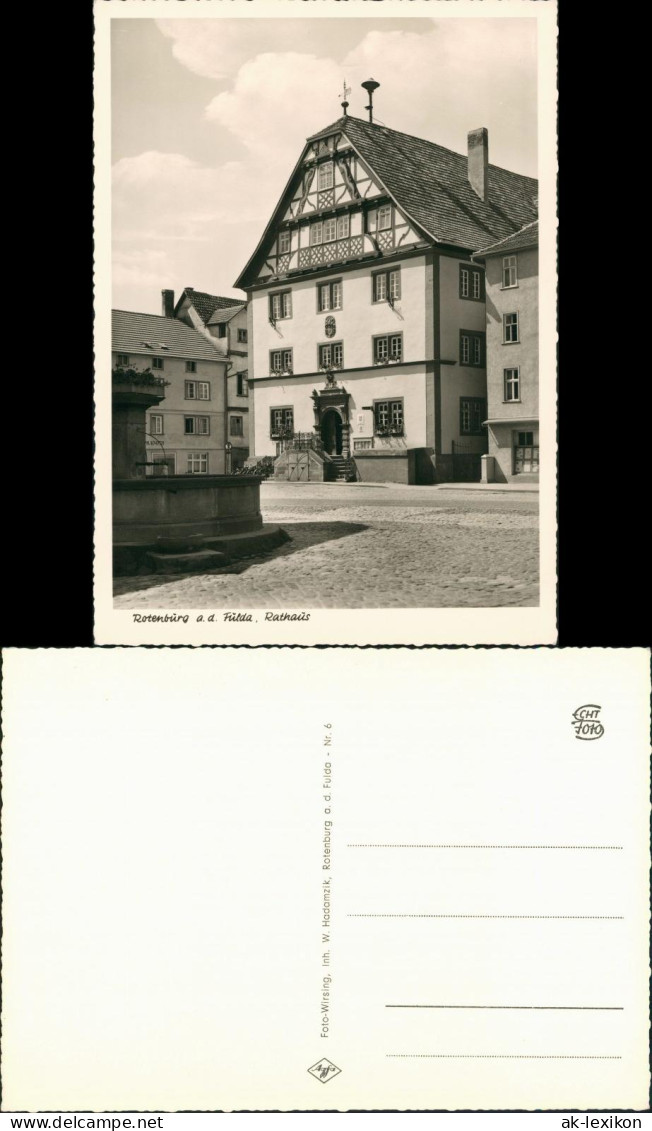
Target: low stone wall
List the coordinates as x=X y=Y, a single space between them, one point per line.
x=386 y=466
x=176 y=507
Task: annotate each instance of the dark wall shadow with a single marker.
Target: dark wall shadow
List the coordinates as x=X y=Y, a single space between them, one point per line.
x=303 y=535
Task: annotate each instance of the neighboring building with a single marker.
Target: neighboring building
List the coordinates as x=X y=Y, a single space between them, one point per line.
x=224 y=321
x=363 y=281
x=185 y=433
x=512 y=282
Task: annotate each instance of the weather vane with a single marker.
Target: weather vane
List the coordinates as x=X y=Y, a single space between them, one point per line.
x=346 y=90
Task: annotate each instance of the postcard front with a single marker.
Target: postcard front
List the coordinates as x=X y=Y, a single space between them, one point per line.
x=325 y=323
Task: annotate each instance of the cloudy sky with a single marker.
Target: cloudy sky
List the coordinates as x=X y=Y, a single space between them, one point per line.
x=210 y=116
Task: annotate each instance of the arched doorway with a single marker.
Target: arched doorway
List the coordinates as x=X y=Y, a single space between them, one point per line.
x=331 y=432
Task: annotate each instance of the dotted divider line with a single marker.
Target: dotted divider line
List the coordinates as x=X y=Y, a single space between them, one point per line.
x=491 y=1056
x=566 y=847
x=604 y=1008
x=429 y=915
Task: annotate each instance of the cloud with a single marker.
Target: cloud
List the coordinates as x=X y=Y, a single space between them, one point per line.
x=139 y=268
x=169 y=197
x=276 y=101
x=177 y=223
x=216 y=49
x=460 y=75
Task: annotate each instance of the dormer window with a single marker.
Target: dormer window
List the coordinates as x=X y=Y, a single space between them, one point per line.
x=325 y=175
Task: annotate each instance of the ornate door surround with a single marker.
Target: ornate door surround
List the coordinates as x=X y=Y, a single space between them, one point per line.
x=333 y=396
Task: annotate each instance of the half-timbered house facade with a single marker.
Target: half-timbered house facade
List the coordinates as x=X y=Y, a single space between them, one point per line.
x=366 y=312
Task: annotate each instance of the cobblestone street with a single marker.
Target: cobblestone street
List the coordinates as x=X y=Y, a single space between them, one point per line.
x=364 y=546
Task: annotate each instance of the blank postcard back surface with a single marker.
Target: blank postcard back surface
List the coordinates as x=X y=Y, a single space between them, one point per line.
x=265 y=880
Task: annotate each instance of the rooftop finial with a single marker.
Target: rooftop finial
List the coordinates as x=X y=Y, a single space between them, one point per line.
x=346 y=90
x=370 y=85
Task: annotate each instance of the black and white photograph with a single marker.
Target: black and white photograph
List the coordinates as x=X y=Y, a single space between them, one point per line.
x=331 y=326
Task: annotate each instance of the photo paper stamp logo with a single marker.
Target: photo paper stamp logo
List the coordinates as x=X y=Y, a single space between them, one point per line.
x=586 y=722
x=324 y=1070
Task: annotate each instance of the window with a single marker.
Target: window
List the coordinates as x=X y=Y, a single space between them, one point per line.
x=156 y=424
x=242 y=386
x=316 y=233
x=242 y=335
x=157 y=363
x=388 y=348
x=122 y=359
x=331 y=356
x=388 y=418
x=512 y=385
x=325 y=176
x=384 y=217
x=284 y=240
x=236 y=426
x=510 y=276
x=526 y=453
x=197 y=390
x=472 y=347
x=280 y=361
x=197 y=463
x=386 y=285
x=471 y=282
x=472 y=413
x=330 y=231
x=329 y=296
x=343 y=227
x=281 y=422
x=191 y=367
x=280 y=305
x=510 y=328
x=221 y=329
x=197 y=425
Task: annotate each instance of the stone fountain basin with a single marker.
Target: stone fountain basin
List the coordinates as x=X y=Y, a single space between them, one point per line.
x=187 y=523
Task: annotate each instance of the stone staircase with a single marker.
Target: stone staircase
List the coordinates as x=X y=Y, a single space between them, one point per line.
x=343 y=469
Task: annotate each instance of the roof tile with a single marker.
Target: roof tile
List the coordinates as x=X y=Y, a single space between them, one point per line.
x=206 y=304
x=131 y=331
x=432 y=184
x=527 y=237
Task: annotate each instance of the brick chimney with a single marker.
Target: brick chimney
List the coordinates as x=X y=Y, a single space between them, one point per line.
x=168 y=303
x=478 y=162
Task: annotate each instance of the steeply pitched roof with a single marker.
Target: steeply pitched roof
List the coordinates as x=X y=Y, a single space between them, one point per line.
x=206 y=304
x=132 y=331
x=527 y=237
x=430 y=183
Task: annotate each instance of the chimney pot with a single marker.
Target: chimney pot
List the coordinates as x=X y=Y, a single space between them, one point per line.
x=478 y=162
x=168 y=303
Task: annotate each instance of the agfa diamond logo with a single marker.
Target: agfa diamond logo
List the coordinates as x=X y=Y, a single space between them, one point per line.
x=324 y=1070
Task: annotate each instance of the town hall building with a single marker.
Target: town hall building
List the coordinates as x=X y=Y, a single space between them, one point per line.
x=366 y=312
